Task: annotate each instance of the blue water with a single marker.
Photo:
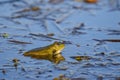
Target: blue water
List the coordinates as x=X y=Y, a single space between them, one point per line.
x=98 y=19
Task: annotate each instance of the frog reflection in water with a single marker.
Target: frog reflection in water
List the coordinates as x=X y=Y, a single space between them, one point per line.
x=50 y=52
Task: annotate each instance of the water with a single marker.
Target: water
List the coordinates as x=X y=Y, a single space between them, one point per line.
x=99 y=23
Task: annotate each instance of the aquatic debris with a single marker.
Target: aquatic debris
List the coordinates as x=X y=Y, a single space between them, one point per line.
x=16 y=62
x=75 y=32
x=50 y=52
x=88 y=65
x=100 y=77
x=35 y=8
x=24 y=13
x=90 y=1
x=63 y=17
x=10 y=19
x=50 y=37
x=115 y=63
x=79 y=0
x=100 y=54
x=20 y=51
x=23 y=69
x=117 y=78
x=77 y=28
x=87 y=1
x=43 y=35
x=61 y=77
x=108 y=40
x=80 y=78
x=8 y=1
x=115 y=53
x=79 y=58
x=67 y=42
x=50 y=34
x=114 y=32
x=19 y=42
x=4 y=71
x=4 y=35
x=55 y=1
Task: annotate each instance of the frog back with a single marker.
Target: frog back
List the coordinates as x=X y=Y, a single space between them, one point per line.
x=39 y=51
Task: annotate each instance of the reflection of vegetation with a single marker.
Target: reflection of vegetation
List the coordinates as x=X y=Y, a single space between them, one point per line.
x=50 y=52
x=79 y=58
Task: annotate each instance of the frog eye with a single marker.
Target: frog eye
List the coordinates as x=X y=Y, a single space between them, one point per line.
x=58 y=43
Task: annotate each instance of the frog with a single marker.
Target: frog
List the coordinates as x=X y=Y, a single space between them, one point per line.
x=51 y=52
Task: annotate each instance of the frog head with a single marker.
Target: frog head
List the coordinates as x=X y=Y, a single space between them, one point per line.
x=58 y=47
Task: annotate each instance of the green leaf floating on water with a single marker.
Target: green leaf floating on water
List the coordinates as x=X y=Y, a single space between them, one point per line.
x=5 y=35
x=51 y=52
